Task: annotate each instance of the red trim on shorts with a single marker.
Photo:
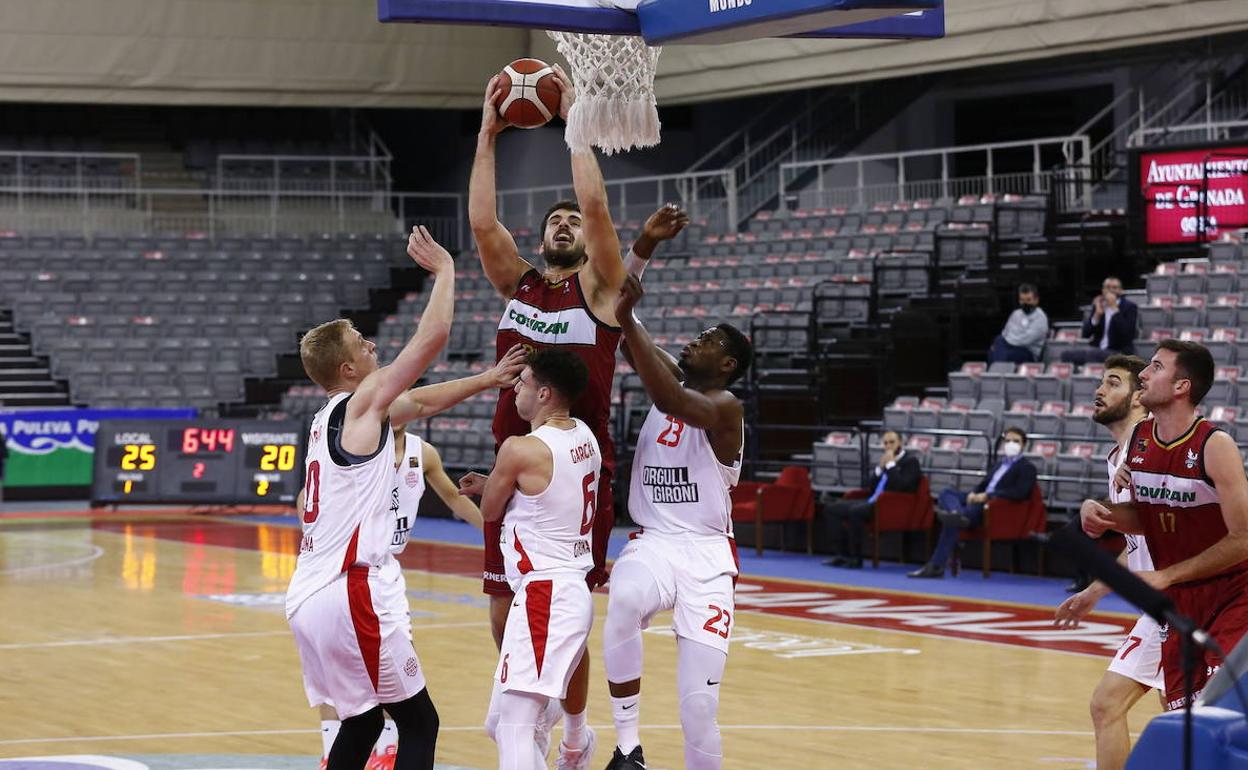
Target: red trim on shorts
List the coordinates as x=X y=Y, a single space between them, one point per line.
x=537 y=605
x=637 y=534
x=352 y=547
x=525 y=565
x=364 y=618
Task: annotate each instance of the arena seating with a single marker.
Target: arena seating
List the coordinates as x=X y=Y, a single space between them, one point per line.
x=177 y=321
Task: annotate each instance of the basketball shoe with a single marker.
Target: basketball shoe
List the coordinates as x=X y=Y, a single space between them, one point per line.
x=577 y=759
x=634 y=760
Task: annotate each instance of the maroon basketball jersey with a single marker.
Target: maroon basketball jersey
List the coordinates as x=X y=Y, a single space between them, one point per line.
x=543 y=314
x=1178 y=506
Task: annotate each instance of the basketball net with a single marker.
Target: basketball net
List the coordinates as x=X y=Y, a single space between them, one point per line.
x=614 y=77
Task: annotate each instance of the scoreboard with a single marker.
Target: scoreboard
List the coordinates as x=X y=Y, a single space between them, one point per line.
x=226 y=462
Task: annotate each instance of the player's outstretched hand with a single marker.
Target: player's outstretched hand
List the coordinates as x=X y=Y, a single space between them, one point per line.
x=630 y=294
x=1095 y=518
x=1072 y=611
x=427 y=252
x=491 y=119
x=567 y=91
x=472 y=484
x=666 y=223
x=505 y=373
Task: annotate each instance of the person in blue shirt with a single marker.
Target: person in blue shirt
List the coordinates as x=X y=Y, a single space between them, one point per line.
x=1011 y=479
x=897 y=471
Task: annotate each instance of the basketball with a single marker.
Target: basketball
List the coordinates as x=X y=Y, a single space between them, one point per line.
x=530 y=96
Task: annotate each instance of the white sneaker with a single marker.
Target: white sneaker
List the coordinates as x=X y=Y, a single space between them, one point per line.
x=577 y=759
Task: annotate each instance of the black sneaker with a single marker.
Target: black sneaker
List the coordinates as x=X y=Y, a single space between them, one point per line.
x=634 y=760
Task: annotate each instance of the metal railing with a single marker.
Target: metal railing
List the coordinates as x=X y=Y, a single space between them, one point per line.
x=705 y=195
x=215 y=213
x=80 y=170
x=320 y=173
x=844 y=181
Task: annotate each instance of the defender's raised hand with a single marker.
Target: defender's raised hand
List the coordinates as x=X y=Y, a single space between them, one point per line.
x=427 y=252
x=505 y=373
x=666 y=223
x=491 y=119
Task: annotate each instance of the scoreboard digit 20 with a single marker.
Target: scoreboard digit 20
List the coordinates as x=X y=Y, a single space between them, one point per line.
x=224 y=462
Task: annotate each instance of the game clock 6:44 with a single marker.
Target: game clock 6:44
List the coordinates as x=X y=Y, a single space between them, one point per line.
x=224 y=462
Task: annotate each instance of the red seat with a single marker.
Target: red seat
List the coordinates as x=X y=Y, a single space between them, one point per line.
x=903 y=512
x=788 y=498
x=1010 y=520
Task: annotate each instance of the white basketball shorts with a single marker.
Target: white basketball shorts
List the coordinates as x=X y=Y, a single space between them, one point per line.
x=547 y=628
x=695 y=575
x=391 y=591
x=1139 y=657
x=356 y=652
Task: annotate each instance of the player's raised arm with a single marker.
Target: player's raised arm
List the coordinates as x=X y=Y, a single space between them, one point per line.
x=1225 y=469
x=663 y=225
x=379 y=390
x=460 y=505
x=430 y=400
x=499 y=257
x=709 y=411
x=602 y=243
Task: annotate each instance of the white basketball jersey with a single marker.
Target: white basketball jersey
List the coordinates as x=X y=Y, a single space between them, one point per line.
x=1138 y=558
x=409 y=485
x=548 y=533
x=346 y=515
x=678 y=485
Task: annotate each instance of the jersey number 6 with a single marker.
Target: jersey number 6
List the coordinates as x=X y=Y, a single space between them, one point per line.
x=590 y=490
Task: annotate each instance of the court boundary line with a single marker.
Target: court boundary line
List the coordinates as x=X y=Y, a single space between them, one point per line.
x=477 y=728
x=195 y=637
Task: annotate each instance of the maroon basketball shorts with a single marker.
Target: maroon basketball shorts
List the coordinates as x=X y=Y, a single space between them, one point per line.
x=1219 y=605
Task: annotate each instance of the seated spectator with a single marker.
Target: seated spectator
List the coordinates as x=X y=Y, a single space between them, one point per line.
x=1111 y=325
x=1012 y=479
x=1022 y=339
x=897 y=471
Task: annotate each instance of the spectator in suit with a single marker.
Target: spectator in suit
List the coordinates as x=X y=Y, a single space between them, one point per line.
x=897 y=471
x=1112 y=325
x=1022 y=339
x=1011 y=479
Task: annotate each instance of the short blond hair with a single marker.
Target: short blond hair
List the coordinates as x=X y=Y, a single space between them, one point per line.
x=324 y=349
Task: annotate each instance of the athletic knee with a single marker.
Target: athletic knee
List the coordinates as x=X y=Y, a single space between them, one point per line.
x=626 y=603
x=1106 y=708
x=699 y=714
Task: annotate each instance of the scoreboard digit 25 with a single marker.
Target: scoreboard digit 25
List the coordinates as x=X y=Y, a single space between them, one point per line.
x=224 y=462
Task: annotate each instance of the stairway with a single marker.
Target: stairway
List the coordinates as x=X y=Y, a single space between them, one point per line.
x=24 y=379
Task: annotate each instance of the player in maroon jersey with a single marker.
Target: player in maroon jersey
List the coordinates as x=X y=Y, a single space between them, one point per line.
x=571 y=302
x=1190 y=503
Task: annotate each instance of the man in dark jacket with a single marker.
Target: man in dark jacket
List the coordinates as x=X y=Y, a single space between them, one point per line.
x=1012 y=479
x=897 y=471
x=1111 y=325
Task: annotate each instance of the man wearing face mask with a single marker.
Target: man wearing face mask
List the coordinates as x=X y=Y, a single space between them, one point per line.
x=1012 y=479
x=1111 y=325
x=897 y=471
x=1022 y=339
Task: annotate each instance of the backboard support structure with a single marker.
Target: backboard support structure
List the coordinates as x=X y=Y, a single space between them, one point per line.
x=671 y=22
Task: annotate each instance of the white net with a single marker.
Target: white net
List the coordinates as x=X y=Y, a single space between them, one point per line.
x=614 y=76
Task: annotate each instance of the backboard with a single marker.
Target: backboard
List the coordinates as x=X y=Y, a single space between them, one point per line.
x=667 y=22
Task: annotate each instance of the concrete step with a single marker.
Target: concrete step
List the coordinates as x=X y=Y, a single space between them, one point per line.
x=20 y=375
x=8 y=387
x=35 y=399
x=10 y=362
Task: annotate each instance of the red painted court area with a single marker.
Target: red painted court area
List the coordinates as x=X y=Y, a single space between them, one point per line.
x=983 y=621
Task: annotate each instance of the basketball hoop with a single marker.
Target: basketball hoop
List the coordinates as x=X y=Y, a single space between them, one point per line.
x=614 y=77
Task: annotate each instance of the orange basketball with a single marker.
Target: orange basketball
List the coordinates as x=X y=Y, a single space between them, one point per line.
x=530 y=96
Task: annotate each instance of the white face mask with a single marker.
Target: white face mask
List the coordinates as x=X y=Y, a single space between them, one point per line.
x=1011 y=449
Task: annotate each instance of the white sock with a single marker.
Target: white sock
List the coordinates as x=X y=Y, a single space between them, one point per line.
x=389 y=738
x=574 y=730
x=627 y=721
x=329 y=733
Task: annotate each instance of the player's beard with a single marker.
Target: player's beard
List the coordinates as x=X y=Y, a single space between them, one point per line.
x=1112 y=414
x=563 y=257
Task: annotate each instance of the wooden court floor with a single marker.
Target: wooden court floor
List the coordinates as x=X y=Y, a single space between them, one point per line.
x=164 y=635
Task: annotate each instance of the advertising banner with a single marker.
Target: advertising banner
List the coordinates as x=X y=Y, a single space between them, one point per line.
x=1193 y=194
